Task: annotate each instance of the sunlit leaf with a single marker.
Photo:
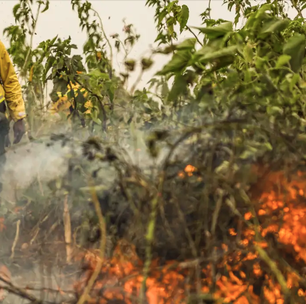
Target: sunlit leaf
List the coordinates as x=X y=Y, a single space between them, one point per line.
x=282 y=60
x=272 y=110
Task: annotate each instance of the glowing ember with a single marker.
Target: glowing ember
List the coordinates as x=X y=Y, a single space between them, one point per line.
x=189 y=170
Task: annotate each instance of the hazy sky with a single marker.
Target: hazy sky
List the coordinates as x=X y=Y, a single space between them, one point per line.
x=61 y=20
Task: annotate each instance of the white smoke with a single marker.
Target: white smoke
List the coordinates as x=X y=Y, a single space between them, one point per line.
x=31 y=161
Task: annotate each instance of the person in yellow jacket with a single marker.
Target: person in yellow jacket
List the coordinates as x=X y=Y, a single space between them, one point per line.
x=11 y=98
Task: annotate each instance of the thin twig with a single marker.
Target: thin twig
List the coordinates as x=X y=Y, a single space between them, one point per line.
x=136 y=82
x=18 y=291
x=15 y=240
x=31 y=39
x=299 y=11
x=195 y=36
x=107 y=40
x=67 y=229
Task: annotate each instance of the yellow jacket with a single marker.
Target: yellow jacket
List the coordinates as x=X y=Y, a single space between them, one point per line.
x=64 y=103
x=11 y=89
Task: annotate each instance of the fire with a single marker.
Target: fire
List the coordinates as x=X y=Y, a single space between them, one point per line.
x=122 y=278
x=282 y=231
x=189 y=170
x=266 y=263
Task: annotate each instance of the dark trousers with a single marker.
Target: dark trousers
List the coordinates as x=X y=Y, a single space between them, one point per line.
x=4 y=132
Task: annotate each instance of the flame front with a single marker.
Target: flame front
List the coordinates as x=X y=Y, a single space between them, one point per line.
x=244 y=275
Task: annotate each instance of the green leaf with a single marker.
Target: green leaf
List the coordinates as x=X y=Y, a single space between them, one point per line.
x=161 y=16
x=303 y=84
x=267 y=146
x=46 y=6
x=94 y=117
x=164 y=89
x=265 y=7
x=216 y=31
x=203 y=51
x=96 y=120
x=273 y=110
x=70 y=94
x=250 y=22
x=97 y=74
x=295 y=47
x=15 y=9
x=260 y=62
x=295 y=79
x=248 y=53
x=275 y=26
x=178 y=88
x=250 y=153
x=301 y=137
x=177 y=63
x=282 y=60
x=225 y=166
x=183 y=17
x=146 y=63
x=111 y=92
x=228 y=51
x=187 y=44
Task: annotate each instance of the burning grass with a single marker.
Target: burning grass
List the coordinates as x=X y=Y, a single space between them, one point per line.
x=236 y=244
x=263 y=262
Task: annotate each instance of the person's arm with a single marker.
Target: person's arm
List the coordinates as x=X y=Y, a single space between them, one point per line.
x=12 y=88
x=13 y=93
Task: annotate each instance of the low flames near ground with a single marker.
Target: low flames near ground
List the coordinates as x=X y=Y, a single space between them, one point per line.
x=265 y=266
x=263 y=261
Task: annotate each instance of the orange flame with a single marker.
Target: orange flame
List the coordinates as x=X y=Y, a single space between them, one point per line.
x=281 y=214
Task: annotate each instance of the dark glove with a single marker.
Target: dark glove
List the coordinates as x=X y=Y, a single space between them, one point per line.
x=19 y=130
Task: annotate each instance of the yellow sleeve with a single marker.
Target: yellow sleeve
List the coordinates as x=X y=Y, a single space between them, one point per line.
x=12 y=88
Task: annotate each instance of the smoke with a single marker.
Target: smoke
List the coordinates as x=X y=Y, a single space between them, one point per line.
x=31 y=161
x=46 y=159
